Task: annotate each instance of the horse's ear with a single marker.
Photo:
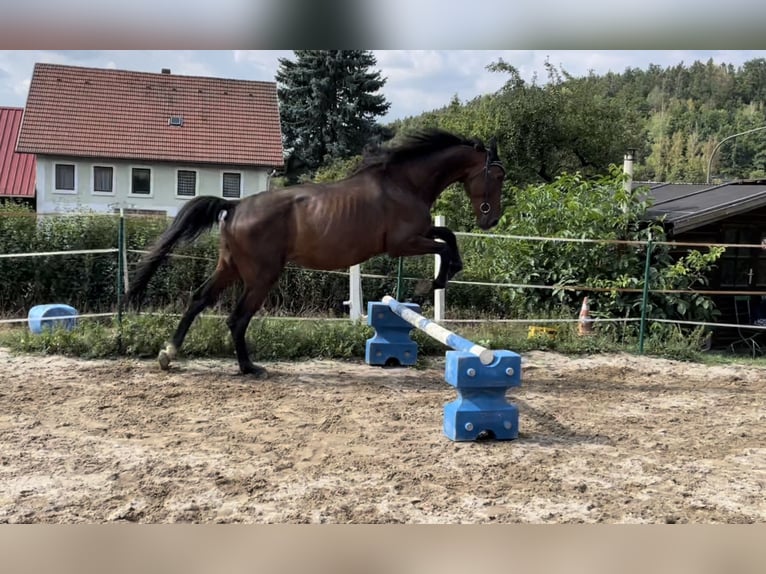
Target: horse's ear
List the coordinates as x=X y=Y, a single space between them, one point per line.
x=492 y=147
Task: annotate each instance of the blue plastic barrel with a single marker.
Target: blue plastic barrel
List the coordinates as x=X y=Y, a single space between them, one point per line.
x=52 y=315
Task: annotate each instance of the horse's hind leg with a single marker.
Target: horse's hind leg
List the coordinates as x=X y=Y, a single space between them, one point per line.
x=203 y=297
x=238 y=321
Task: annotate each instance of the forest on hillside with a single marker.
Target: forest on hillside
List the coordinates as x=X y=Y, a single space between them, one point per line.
x=673 y=117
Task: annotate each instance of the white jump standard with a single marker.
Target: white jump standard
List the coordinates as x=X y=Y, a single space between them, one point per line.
x=480 y=376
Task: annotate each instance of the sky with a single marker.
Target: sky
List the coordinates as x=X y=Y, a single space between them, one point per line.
x=416 y=80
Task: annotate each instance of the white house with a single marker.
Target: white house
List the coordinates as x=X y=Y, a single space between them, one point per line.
x=106 y=139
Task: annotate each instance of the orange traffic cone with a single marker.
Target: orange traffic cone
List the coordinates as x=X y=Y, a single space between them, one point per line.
x=585 y=326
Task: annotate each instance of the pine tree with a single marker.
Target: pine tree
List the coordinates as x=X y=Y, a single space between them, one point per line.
x=328 y=105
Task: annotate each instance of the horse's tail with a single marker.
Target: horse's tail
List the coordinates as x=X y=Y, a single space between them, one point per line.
x=194 y=218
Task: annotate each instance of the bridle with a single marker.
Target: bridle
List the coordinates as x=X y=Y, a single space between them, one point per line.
x=485 y=208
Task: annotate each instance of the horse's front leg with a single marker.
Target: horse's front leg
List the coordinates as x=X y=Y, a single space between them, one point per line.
x=423 y=245
x=455 y=263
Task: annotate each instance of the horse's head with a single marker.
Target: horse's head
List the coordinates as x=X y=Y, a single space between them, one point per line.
x=484 y=184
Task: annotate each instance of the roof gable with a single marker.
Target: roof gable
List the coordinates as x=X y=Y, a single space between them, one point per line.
x=17 y=170
x=118 y=114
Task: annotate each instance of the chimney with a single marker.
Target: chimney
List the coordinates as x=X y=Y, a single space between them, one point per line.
x=627 y=168
x=165 y=70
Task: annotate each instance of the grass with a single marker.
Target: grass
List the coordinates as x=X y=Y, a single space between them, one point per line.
x=725 y=358
x=281 y=339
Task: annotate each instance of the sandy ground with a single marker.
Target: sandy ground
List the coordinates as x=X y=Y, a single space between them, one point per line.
x=615 y=439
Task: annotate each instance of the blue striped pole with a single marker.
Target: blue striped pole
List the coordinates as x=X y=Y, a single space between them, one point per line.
x=445 y=336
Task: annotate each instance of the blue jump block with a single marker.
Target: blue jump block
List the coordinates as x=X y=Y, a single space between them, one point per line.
x=42 y=317
x=481 y=409
x=391 y=343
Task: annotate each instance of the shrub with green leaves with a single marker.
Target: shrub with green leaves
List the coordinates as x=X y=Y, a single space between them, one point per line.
x=86 y=281
x=574 y=207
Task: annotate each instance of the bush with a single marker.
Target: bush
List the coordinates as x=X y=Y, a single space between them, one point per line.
x=87 y=282
x=573 y=207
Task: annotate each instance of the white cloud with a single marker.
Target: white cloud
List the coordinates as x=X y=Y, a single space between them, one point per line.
x=417 y=80
x=187 y=64
x=261 y=57
x=22 y=87
x=408 y=65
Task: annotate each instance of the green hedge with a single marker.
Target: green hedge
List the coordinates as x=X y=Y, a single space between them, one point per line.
x=89 y=282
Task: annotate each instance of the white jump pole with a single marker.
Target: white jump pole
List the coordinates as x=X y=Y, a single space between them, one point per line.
x=444 y=336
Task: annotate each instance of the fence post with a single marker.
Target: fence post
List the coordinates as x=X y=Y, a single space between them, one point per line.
x=399 y=270
x=121 y=256
x=440 y=298
x=645 y=296
x=355 y=292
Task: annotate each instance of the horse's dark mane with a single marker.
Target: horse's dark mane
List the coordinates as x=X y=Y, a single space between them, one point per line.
x=414 y=145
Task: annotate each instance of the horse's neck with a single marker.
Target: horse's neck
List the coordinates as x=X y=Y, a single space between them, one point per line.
x=429 y=177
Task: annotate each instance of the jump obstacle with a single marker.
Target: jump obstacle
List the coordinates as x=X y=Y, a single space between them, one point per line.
x=42 y=317
x=480 y=376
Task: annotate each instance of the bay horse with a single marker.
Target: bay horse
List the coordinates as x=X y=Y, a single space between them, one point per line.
x=382 y=207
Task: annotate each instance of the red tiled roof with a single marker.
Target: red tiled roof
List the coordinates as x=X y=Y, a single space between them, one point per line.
x=17 y=170
x=117 y=114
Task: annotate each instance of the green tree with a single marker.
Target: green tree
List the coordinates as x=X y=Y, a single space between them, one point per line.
x=567 y=124
x=329 y=103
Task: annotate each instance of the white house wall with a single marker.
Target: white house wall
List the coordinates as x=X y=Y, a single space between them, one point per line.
x=163 y=196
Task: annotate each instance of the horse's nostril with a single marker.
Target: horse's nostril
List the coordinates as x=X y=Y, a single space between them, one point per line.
x=494 y=222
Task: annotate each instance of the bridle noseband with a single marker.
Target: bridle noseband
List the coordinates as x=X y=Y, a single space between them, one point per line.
x=485 y=208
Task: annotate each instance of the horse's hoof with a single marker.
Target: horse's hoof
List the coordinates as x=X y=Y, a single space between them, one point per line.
x=164 y=360
x=254 y=371
x=171 y=351
x=453 y=270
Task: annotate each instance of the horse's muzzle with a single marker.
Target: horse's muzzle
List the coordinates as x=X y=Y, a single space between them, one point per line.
x=486 y=223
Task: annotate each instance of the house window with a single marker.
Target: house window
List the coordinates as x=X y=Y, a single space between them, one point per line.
x=103 y=179
x=141 y=181
x=65 y=177
x=232 y=184
x=186 y=183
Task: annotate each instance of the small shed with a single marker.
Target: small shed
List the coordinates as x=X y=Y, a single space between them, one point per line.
x=731 y=213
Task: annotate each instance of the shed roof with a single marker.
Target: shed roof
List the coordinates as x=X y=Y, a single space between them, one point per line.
x=688 y=206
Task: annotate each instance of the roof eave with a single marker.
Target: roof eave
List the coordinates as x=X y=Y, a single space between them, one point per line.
x=698 y=219
x=178 y=160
